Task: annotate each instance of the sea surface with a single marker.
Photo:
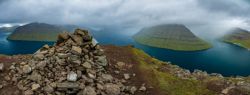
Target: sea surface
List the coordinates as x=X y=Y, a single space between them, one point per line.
x=223 y=58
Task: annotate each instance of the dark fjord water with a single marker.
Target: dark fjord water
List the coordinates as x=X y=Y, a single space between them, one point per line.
x=222 y=58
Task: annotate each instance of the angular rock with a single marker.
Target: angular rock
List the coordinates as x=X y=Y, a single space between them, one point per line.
x=81 y=32
x=102 y=60
x=39 y=56
x=86 y=65
x=26 y=69
x=48 y=89
x=62 y=55
x=62 y=37
x=1 y=66
x=67 y=85
x=41 y=64
x=76 y=49
x=35 y=77
x=133 y=89
x=35 y=86
x=107 y=77
x=126 y=76
x=72 y=76
x=77 y=39
x=112 y=89
x=88 y=91
x=28 y=92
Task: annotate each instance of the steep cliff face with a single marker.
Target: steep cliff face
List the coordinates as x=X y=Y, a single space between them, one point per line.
x=238 y=37
x=38 y=32
x=171 y=36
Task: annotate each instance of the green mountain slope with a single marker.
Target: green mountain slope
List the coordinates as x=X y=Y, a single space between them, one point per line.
x=238 y=37
x=39 y=32
x=171 y=36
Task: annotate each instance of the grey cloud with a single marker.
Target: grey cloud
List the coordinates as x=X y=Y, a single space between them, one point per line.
x=199 y=15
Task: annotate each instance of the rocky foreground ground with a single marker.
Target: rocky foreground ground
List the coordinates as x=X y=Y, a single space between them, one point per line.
x=77 y=65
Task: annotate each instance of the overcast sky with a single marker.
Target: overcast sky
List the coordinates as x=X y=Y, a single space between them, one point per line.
x=198 y=15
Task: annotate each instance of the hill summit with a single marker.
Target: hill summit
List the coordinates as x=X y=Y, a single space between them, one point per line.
x=171 y=36
x=38 y=32
x=239 y=37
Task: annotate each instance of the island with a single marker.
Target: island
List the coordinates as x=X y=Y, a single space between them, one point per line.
x=39 y=32
x=239 y=37
x=171 y=36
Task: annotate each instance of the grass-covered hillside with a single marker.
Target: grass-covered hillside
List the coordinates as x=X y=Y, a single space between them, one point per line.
x=39 y=32
x=238 y=37
x=171 y=36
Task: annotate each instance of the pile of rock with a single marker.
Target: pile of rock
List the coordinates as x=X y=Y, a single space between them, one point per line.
x=74 y=65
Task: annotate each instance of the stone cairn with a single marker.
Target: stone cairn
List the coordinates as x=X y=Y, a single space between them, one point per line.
x=74 y=65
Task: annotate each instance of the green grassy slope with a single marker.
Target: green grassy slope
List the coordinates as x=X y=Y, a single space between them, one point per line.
x=166 y=78
x=175 y=37
x=238 y=37
x=37 y=32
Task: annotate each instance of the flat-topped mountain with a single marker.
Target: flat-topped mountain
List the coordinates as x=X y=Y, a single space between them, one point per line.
x=171 y=36
x=238 y=37
x=39 y=32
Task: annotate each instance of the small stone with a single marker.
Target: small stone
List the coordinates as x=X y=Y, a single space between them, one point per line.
x=134 y=74
x=76 y=49
x=88 y=91
x=142 y=88
x=81 y=32
x=102 y=61
x=99 y=86
x=67 y=85
x=41 y=64
x=1 y=66
x=132 y=90
x=23 y=63
x=126 y=76
x=120 y=64
x=48 y=89
x=28 y=92
x=35 y=86
x=94 y=42
x=79 y=73
x=91 y=76
x=117 y=72
x=46 y=46
x=1 y=86
x=226 y=90
x=39 y=56
x=62 y=55
x=72 y=76
x=86 y=65
x=77 y=39
x=26 y=69
x=35 y=76
x=107 y=77
x=63 y=36
x=112 y=89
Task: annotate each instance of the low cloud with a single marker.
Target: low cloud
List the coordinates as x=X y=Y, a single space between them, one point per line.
x=201 y=16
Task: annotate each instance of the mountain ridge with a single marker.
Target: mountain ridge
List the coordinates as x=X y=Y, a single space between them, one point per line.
x=171 y=36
